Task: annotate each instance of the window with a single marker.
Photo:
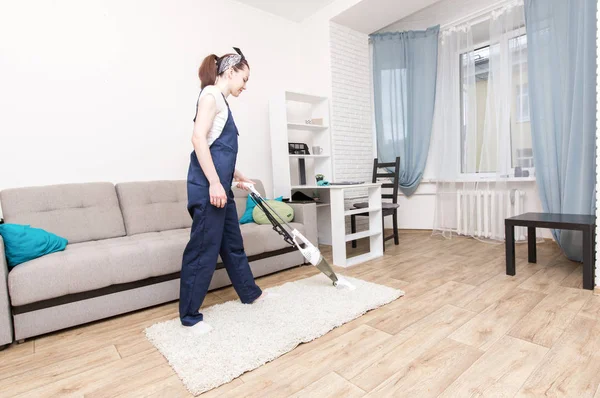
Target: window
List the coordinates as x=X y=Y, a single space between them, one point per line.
x=522 y=103
x=483 y=148
x=474 y=83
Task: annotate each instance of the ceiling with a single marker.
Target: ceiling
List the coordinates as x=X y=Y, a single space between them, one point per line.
x=369 y=16
x=366 y=16
x=295 y=10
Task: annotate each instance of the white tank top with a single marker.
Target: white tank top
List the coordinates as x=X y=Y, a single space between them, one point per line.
x=222 y=112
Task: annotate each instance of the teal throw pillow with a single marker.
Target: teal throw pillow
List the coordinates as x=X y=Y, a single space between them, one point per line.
x=247 y=216
x=23 y=243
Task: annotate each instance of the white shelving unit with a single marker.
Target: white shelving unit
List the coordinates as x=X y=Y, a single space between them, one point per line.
x=288 y=112
x=308 y=156
x=338 y=233
x=303 y=126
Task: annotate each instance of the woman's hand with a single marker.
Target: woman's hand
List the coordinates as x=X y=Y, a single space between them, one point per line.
x=240 y=178
x=218 y=197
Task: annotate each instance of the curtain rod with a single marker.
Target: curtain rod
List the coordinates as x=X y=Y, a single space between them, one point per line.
x=477 y=14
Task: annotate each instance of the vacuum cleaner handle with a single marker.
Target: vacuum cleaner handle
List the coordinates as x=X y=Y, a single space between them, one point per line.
x=247 y=185
x=310 y=252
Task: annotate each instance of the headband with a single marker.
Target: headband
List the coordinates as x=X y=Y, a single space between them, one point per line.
x=230 y=60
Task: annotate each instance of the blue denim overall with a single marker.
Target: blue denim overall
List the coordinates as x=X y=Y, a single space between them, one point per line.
x=214 y=231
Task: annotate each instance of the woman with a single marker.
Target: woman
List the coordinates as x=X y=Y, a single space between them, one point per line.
x=215 y=226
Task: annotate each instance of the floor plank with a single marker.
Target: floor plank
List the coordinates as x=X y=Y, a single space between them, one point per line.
x=495 y=288
x=429 y=374
x=500 y=371
x=409 y=311
x=591 y=309
x=134 y=384
x=575 y=279
x=99 y=376
x=485 y=329
x=16 y=351
x=412 y=342
x=571 y=367
x=172 y=387
x=330 y=386
x=549 y=319
x=547 y=278
x=37 y=378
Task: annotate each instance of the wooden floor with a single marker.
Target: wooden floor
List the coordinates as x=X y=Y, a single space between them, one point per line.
x=463 y=329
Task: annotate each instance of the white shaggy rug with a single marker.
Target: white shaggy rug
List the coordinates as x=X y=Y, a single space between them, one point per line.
x=245 y=337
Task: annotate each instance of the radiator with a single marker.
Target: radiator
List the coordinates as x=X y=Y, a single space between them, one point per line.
x=481 y=213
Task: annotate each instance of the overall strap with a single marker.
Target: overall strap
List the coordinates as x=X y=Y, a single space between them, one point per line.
x=197 y=101
x=225 y=99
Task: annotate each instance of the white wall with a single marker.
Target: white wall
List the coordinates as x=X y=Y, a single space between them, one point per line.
x=313 y=55
x=106 y=90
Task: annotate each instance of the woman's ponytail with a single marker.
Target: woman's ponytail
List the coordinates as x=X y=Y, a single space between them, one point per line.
x=208 y=71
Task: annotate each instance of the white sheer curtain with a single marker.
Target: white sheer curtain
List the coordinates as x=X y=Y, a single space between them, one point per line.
x=481 y=135
x=446 y=133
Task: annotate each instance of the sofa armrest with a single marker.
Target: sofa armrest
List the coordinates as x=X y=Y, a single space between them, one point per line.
x=306 y=214
x=6 y=328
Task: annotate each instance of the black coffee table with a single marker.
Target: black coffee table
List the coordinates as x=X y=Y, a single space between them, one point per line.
x=584 y=223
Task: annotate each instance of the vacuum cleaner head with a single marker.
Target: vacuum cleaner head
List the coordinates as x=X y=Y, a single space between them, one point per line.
x=338 y=281
x=344 y=283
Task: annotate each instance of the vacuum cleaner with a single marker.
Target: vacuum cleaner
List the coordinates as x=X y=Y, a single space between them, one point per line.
x=311 y=253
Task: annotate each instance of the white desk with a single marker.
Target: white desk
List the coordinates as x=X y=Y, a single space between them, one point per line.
x=338 y=215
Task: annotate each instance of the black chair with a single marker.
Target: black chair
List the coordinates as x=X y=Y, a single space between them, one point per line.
x=388 y=208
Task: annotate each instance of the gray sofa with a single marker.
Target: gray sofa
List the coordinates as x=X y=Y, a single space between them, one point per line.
x=125 y=248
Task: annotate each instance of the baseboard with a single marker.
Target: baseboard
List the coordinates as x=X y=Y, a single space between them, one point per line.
x=597 y=291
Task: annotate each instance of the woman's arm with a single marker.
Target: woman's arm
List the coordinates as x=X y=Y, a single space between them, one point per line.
x=239 y=177
x=207 y=110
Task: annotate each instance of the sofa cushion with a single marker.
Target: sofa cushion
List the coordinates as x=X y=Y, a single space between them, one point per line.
x=248 y=215
x=77 y=212
x=279 y=210
x=154 y=206
x=93 y=265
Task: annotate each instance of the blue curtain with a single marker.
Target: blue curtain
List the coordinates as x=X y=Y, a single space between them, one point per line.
x=561 y=37
x=404 y=80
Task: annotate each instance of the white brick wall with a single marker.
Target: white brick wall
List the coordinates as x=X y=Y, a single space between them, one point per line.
x=352 y=130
